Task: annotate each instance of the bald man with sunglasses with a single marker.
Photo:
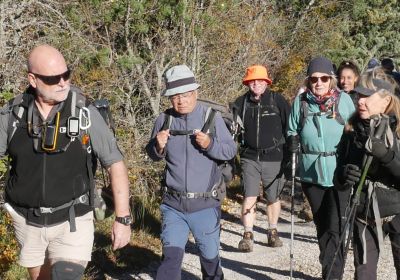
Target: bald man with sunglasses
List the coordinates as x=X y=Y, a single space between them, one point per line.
x=49 y=192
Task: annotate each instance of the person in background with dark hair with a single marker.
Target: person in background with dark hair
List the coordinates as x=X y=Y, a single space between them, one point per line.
x=372 y=63
x=348 y=75
x=335 y=68
x=316 y=125
x=388 y=67
x=381 y=187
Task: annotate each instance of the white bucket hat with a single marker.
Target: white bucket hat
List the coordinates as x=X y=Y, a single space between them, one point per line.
x=179 y=79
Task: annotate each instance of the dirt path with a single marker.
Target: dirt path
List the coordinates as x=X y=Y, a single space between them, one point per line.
x=265 y=262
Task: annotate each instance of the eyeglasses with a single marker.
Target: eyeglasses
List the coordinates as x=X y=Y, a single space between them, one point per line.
x=181 y=95
x=323 y=79
x=53 y=80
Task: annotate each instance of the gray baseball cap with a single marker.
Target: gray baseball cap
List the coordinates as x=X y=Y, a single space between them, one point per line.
x=179 y=79
x=378 y=84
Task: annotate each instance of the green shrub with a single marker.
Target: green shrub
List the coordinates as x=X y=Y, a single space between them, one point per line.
x=8 y=244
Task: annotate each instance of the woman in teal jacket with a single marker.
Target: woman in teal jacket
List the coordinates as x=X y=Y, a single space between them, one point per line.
x=316 y=125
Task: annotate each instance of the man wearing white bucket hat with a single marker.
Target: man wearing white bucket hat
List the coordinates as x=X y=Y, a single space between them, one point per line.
x=193 y=187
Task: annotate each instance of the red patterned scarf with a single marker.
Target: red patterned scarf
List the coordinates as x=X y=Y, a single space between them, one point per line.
x=327 y=101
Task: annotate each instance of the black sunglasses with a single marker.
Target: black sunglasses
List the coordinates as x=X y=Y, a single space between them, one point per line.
x=324 y=79
x=53 y=80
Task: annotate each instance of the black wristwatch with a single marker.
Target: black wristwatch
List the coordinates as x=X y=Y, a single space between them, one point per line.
x=127 y=220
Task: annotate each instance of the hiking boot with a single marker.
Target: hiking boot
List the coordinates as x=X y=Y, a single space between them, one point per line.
x=273 y=238
x=305 y=212
x=306 y=215
x=246 y=244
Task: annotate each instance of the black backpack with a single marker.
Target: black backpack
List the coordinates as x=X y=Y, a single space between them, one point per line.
x=104 y=199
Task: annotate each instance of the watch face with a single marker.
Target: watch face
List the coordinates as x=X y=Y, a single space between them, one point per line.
x=127 y=220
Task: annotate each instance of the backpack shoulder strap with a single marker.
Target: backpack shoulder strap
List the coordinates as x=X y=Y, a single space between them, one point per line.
x=167 y=120
x=244 y=106
x=273 y=103
x=237 y=122
x=338 y=116
x=15 y=114
x=272 y=98
x=209 y=120
x=303 y=109
x=78 y=100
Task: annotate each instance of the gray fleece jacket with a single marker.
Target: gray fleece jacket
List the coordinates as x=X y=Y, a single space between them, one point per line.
x=188 y=167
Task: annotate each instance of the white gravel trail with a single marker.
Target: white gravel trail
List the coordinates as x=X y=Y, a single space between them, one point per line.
x=269 y=263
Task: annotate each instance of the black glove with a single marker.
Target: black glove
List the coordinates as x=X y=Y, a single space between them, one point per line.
x=351 y=175
x=380 y=151
x=387 y=228
x=293 y=143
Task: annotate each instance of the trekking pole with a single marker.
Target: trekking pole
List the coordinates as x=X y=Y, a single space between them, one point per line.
x=350 y=221
x=356 y=198
x=347 y=224
x=292 y=213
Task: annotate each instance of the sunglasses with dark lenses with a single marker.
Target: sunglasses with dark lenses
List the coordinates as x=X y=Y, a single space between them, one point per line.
x=323 y=79
x=53 y=80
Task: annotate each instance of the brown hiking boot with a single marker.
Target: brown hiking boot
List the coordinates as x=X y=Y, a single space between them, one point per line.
x=305 y=214
x=246 y=244
x=273 y=238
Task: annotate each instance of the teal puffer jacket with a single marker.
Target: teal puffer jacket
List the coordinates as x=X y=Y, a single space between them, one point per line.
x=319 y=137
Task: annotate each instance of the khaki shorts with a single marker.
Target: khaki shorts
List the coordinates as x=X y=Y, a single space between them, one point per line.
x=37 y=244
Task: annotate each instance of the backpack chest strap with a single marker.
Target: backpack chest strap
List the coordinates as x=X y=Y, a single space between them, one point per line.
x=209 y=124
x=193 y=195
x=322 y=154
x=182 y=132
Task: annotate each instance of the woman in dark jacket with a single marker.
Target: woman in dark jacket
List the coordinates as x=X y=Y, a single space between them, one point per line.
x=377 y=214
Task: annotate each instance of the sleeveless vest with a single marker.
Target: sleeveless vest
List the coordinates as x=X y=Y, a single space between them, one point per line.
x=46 y=179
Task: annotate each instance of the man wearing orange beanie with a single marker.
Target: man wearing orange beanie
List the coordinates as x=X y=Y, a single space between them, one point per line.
x=264 y=115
